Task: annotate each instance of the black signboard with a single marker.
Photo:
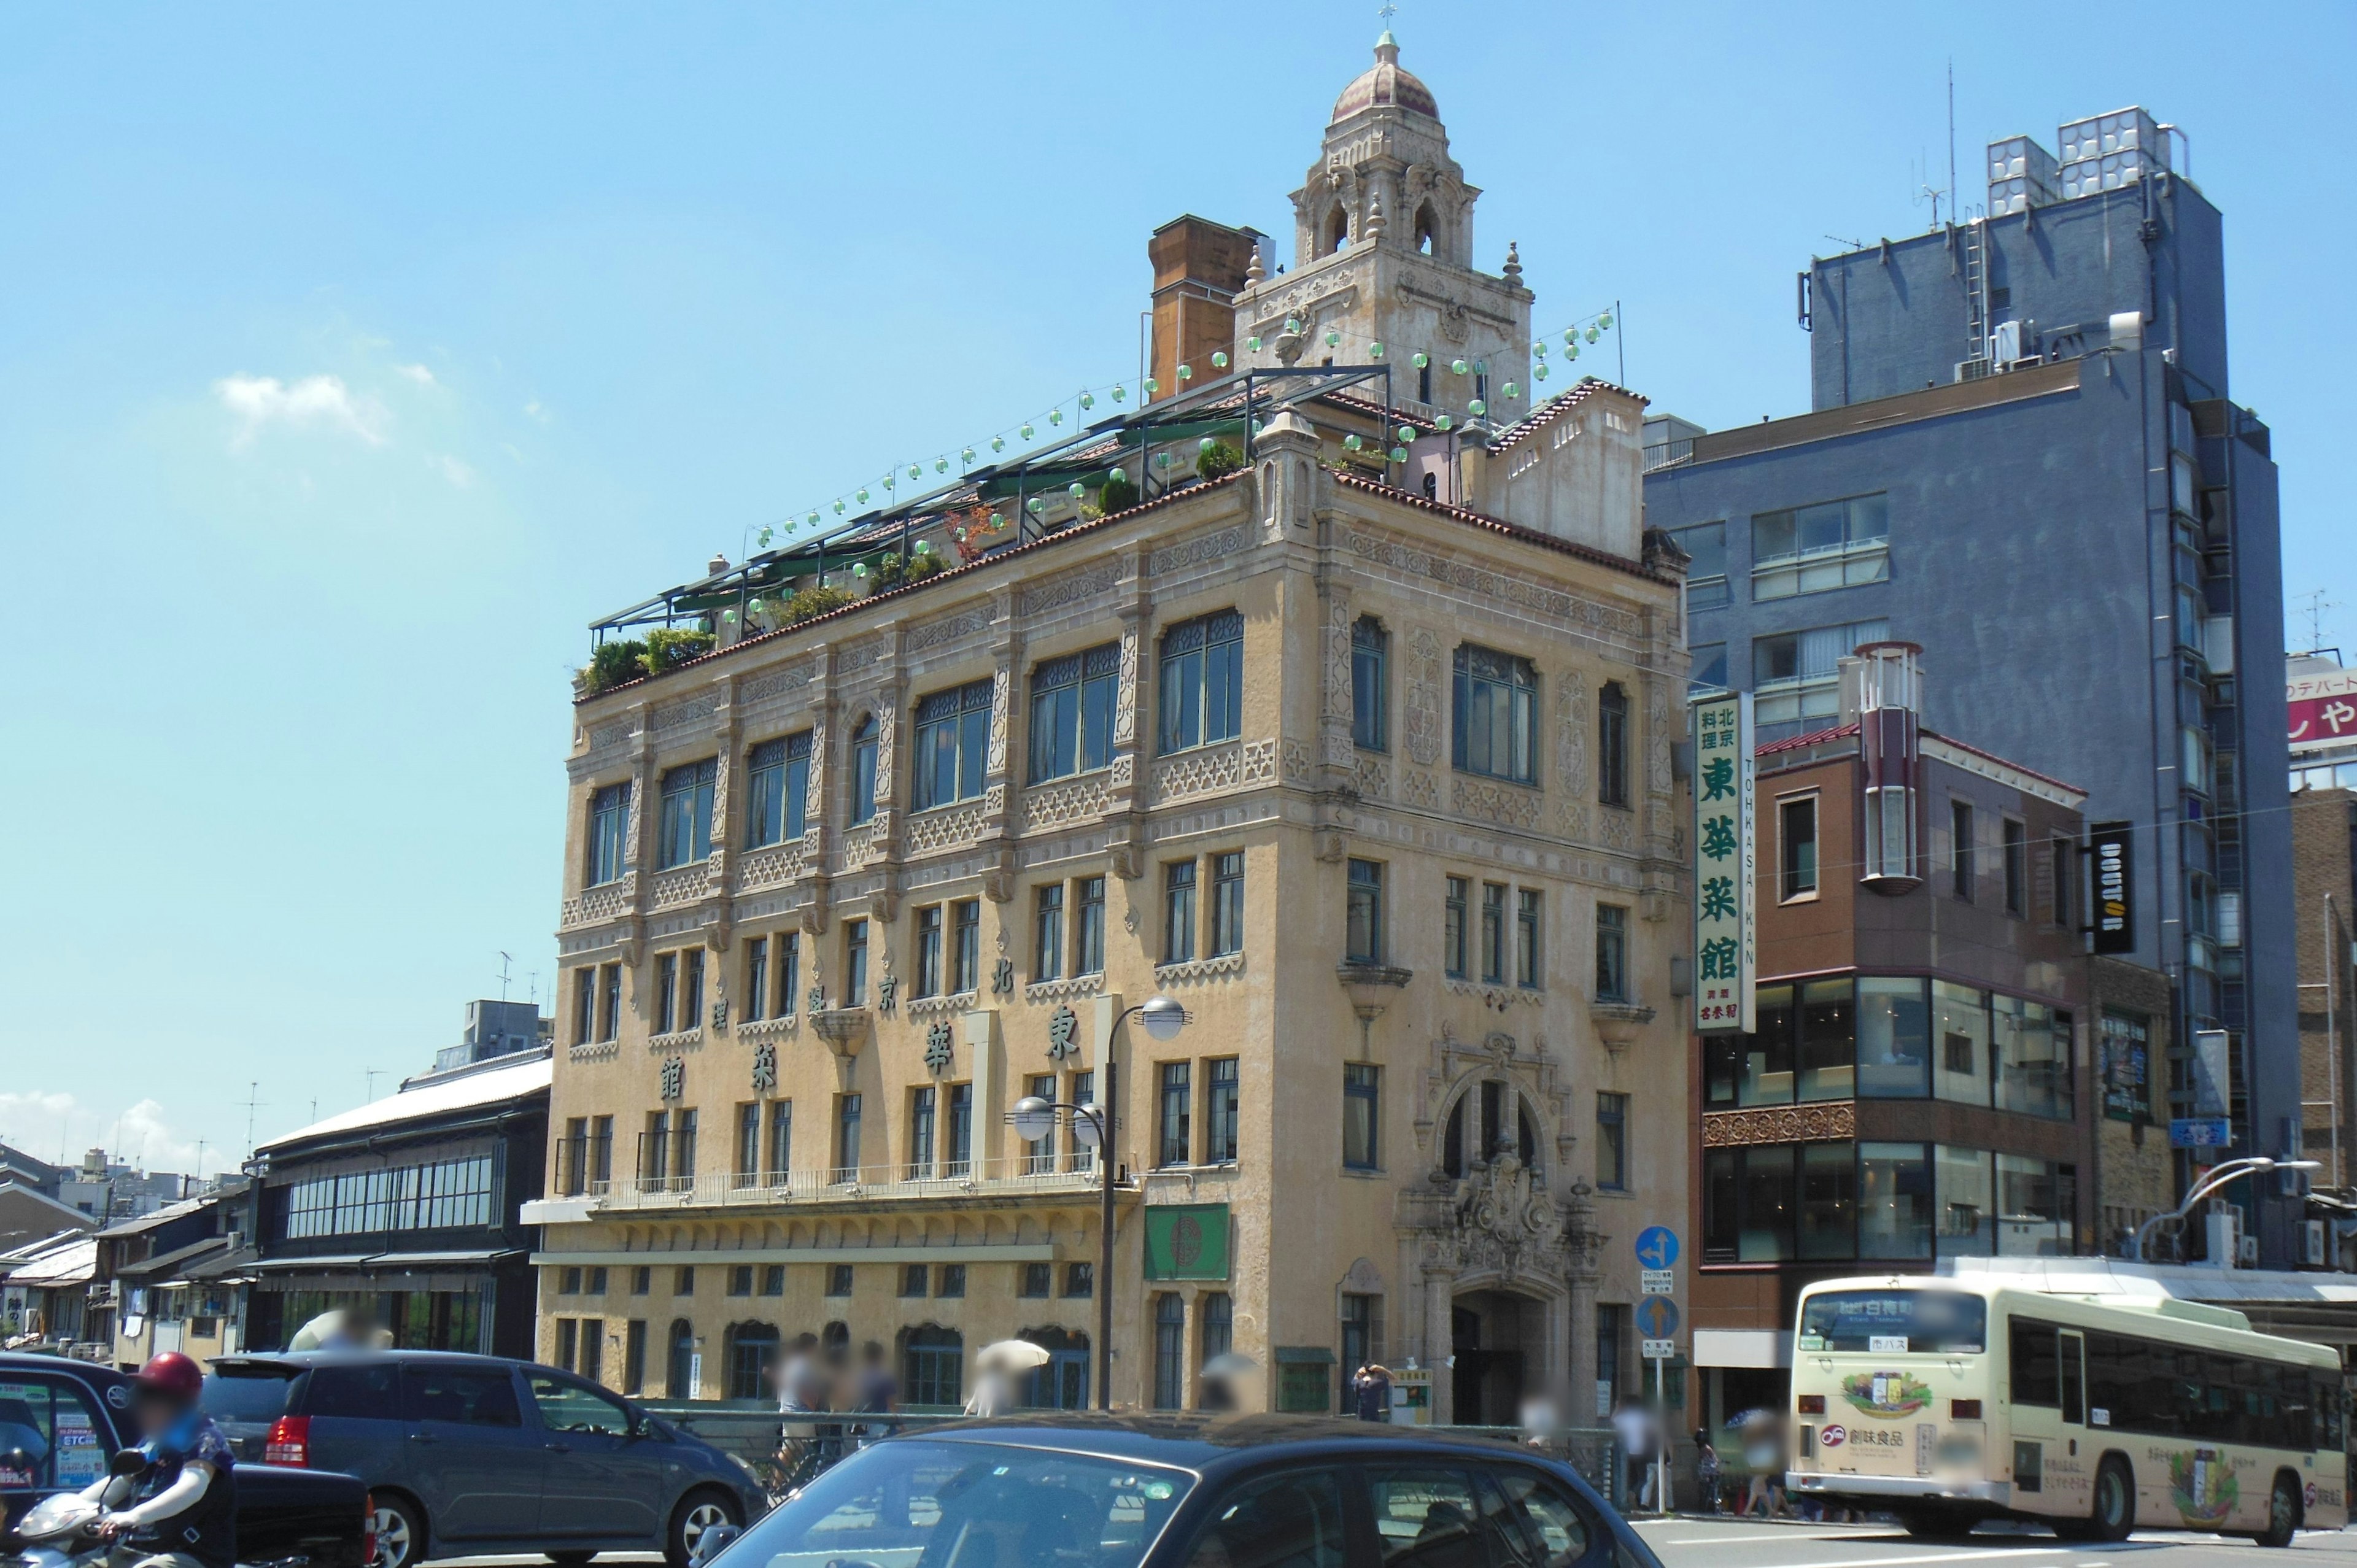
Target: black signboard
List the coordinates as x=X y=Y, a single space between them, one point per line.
x=2111 y=856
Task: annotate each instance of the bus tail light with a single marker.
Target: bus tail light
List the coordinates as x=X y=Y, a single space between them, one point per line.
x=1813 y=1404
x=289 y=1442
x=1808 y=1441
x=1964 y=1410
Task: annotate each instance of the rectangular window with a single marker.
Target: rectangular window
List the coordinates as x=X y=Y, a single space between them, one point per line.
x=1220 y=1111
x=1960 y=849
x=1495 y=727
x=921 y=1132
x=1169 y=1350
x=1796 y=848
x=1612 y=745
x=1361 y=1116
x=1529 y=970
x=2017 y=868
x=1039 y=1280
x=965 y=945
x=585 y=1005
x=1707 y=669
x=855 y=963
x=683 y=829
x=1611 y=953
x=1812 y=549
x=1707 y=571
x=789 y=974
x=654 y=1151
x=1363 y=913
x=2030 y=1046
x=756 y=979
x=748 y=1171
x=1178 y=911
x=741 y=1279
x=601 y=1151
x=1828 y=1219
x=1176 y=1145
x=634 y=1357
x=953 y=744
x=609 y=834
x=1088 y=937
x=685 y=1158
x=1072 y=702
x=1794 y=674
x=666 y=992
x=847 y=1137
x=1227 y=903
x=928 y=952
x=1960 y=1021
x=1202 y=684
x=781 y=1139
x=1369 y=653
x=2062 y=857
x=1040 y=1153
x=1080 y=1279
x=1048 y=933
x=1966 y=1202
x=1454 y=943
x=1493 y=933
x=610 y=1024
x=864 y=752
x=1894 y=1204
x=1219 y=1317
x=961 y=1145
x=953 y=1279
x=914 y=1278
x=774 y=1279
x=691 y=1012
x=777 y=790
x=1612 y=1142
x=1084 y=1092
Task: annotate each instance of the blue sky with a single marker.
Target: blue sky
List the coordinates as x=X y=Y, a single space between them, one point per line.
x=352 y=359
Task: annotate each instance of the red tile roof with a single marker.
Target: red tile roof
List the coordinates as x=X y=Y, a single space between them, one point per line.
x=1849 y=731
x=1499 y=526
x=1554 y=408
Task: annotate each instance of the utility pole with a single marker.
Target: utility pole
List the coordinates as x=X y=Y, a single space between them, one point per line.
x=253 y=1102
x=504 y=961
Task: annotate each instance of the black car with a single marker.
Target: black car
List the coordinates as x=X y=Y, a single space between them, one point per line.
x=61 y=1421
x=1193 y=1492
x=473 y=1455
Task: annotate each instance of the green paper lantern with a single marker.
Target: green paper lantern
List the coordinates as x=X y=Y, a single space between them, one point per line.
x=1571 y=338
x=1055 y=416
x=1205 y=444
x=1399 y=453
x=1162 y=459
x=1457 y=367
x=1351 y=441
x=1292 y=324
x=859 y=569
x=998 y=443
x=811 y=520
x=838 y=506
x=1539 y=347
x=966 y=455
x=1118 y=394
x=1076 y=489
x=1118 y=477
x=1253 y=344
x=1605 y=321
x=1477 y=408
x=765 y=539
x=1513 y=391
x=863 y=497
x=916 y=470
x=998 y=520
x=1374 y=350
x=888 y=481
x=1592 y=334
x=1036 y=505
x=1575 y=350
x=1186 y=372
x=1421 y=360
x=924 y=547
x=1333 y=339
x=1538 y=371
x=1026 y=430
x=1088 y=401
x=756 y=606
x=1219 y=358
x=1259 y=426
x=1153 y=385
x=940 y=465
x=1443 y=422
x=1408 y=433
x=728 y=616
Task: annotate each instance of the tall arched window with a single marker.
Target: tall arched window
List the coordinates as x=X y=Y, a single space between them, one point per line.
x=1170 y=1351
x=932 y=1366
x=1370 y=705
x=1496 y=719
x=1338 y=229
x=1427 y=230
x=1612 y=745
x=751 y=1348
x=1063 y=1382
x=863 y=770
x=678 y=1374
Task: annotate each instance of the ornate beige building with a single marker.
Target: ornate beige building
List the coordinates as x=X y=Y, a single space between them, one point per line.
x=1379 y=786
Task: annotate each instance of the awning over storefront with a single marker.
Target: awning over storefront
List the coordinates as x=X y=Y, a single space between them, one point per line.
x=457 y=1270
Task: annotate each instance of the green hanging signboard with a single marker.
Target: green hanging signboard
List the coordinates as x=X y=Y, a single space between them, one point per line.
x=1725 y=945
x=1186 y=1242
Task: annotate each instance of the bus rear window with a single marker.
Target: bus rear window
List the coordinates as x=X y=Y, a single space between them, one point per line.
x=1895 y=1322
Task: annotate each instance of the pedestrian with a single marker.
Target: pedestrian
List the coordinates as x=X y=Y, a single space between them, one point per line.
x=876 y=1393
x=1373 y=1388
x=1639 y=1442
x=801 y=1394
x=1763 y=1457
x=1707 y=1470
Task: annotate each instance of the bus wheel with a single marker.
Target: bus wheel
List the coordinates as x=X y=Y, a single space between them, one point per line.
x=2283 y=1513
x=2115 y=1509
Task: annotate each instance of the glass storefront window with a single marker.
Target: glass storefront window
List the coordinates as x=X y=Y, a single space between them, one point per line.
x=2033 y=1056
x=2035 y=1200
x=1968 y=1202
x=1894 y=1207
x=1768 y=1054
x=1767 y=1204
x=1894 y=1046
x=1960 y=1021
x=1828 y=1200
x=1828 y=1040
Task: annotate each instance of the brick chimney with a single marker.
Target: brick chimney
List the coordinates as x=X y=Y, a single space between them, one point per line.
x=1199 y=268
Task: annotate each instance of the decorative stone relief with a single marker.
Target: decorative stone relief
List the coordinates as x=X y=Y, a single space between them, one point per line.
x=1580 y=613
x=1780 y=1125
x=1501 y=803
x=1197 y=772
x=1194 y=552
x=682 y=884
x=1571 y=733
x=1571 y=818
x=933 y=633
x=1125 y=710
x=688 y=711
x=1002 y=683
x=1065 y=989
x=1373 y=775
x=1657 y=738
x=776 y=682
x=1420 y=715
x=595 y=904
x=888 y=734
x=860 y=655
x=1616 y=827
x=1420 y=790
x=613 y=734
x=1200 y=969
x=769 y=866
x=1293 y=758
x=1068 y=801
x=1057 y=592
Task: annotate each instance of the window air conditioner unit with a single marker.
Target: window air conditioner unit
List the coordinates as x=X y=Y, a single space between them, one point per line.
x=2311 y=1243
x=2248 y=1254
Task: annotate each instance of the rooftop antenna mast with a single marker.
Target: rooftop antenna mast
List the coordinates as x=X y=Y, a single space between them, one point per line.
x=1951 y=143
x=253 y=1102
x=504 y=962
x=2313 y=603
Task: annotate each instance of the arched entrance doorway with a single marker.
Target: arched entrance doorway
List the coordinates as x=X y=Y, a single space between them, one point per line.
x=1499 y=1339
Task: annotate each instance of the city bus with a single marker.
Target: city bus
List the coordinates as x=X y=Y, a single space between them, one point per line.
x=1949 y=1401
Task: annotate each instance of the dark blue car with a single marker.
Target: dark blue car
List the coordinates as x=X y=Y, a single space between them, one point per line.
x=1191 y=1492
x=474 y=1455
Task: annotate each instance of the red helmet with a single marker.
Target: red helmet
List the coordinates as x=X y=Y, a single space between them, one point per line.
x=172 y=1373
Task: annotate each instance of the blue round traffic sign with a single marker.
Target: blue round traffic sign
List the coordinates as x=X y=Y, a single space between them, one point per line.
x=1657 y=1247
x=1657 y=1317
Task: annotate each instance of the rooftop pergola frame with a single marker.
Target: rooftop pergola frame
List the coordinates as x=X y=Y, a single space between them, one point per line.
x=1234 y=404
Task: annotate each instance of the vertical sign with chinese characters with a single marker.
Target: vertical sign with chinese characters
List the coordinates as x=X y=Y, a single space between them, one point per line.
x=1726 y=947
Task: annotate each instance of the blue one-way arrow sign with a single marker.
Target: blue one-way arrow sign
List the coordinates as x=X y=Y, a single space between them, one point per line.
x=1657 y=1317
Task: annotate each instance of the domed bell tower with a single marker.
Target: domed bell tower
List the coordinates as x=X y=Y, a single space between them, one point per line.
x=1384 y=255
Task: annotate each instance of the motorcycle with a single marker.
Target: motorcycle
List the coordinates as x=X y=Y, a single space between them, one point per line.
x=61 y=1531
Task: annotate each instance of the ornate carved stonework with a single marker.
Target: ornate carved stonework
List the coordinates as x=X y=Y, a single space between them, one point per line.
x=690 y=710
x=933 y=633
x=1420 y=726
x=1581 y=614
x=1194 y=552
x=775 y=682
x=1503 y=804
x=1067 y=801
x=1571 y=733
x=1060 y=591
x=1420 y=790
x=1125 y=711
x=1835 y=1119
x=1002 y=683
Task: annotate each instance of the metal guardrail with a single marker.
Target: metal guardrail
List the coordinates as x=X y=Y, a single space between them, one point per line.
x=750 y=1432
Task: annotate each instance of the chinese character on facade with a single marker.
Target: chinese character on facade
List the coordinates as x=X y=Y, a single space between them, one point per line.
x=1061 y=1024
x=937 y=1048
x=765 y=1067
x=674 y=1078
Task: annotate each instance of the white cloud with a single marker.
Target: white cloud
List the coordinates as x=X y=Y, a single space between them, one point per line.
x=35 y=1121
x=458 y=473
x=314 y=401
x=418 y=373
x=533 y=410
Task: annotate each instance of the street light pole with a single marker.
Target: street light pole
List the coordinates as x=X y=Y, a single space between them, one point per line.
x=1035 y=1118
x=2250 y=1164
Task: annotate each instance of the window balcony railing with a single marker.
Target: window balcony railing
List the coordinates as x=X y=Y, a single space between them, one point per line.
x=1012 y=1175
x=1815 y=570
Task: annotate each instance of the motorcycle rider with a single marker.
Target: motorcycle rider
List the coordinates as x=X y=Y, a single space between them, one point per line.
x=185 y=1512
